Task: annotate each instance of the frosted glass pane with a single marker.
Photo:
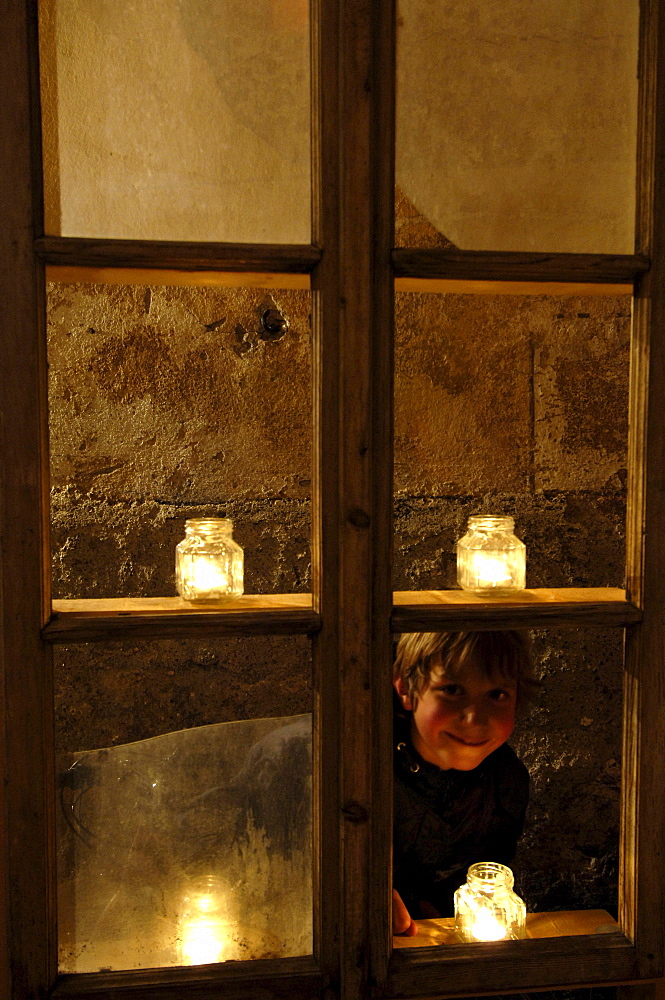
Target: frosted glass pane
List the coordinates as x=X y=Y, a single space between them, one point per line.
x=188 y=848
x=516 y=123
x=176 y=119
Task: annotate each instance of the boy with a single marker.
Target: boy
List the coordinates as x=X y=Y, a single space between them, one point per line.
x=460 y=792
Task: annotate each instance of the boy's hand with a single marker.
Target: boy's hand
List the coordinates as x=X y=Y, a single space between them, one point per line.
x=402 y=922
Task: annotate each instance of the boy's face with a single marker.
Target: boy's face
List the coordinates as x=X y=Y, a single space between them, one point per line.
x=457 y=722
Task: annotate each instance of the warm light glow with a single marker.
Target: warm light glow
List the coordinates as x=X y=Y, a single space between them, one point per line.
x=208 y=563
x=205 y=575
x=491 y=560
x=203 y=929
x=486 y=927
x=486 y=908
x=489 y=571
x=206 y=903
x=203 y=941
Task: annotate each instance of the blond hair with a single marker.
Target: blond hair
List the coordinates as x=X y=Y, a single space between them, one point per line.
x=506 y=655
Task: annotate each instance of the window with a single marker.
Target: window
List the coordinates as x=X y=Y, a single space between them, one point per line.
x=353 y=266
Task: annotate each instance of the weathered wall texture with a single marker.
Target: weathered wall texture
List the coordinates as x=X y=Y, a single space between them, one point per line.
x=171 y=402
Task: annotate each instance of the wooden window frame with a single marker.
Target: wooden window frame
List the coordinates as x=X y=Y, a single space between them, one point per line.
x=353 y=268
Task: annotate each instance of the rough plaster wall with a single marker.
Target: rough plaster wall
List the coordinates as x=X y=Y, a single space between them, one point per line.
x=509 y=404
x=531 y=108
x=148 y=134
x=118 y=692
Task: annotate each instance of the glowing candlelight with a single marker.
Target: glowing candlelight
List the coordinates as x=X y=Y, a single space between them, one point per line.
x=486 y=927
x=489 y=570
x=203 y=941
x=486 y=908
x=203 y=925
x=209 y=563
x=205 y=575
x=491 y=561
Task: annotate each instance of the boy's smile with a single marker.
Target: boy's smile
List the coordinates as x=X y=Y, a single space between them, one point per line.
x=458 y=722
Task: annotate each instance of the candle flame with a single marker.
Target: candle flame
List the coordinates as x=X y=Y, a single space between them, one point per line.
x=486 y=927
x=490 y=571
x=207 y=576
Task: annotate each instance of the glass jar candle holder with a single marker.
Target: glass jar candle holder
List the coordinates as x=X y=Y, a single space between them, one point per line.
x=203 y=926
x=209 y=563
x=486 y=908
x=491 y=560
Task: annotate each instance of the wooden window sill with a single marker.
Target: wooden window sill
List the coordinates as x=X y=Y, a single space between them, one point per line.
x=564 y=923
x=430 y=610
x=85 y=620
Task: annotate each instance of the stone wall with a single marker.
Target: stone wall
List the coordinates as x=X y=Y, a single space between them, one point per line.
x=168 y=403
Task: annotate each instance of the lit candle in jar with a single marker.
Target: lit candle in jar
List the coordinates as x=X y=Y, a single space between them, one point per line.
x=203 y=927
x=491 y=561
x=209 y=563
x=486 y=908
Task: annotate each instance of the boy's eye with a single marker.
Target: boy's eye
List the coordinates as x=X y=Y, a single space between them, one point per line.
x=500 y=694
x=451 y=690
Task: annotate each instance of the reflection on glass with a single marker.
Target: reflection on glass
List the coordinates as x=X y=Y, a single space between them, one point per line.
x=176 y=119
x=187 y=848
x=516 y=124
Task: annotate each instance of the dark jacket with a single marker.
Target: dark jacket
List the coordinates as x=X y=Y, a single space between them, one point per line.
x=445 y=821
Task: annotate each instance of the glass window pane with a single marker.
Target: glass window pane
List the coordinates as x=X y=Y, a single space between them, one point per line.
x=569 y=739
x=170 y=403
x=177 y=119
x=512 y=405
x=184 y=802
x=516 y=124
x=568 y=856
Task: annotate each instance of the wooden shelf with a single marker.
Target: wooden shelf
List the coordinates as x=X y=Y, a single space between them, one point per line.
x=171 y=617
x=487 y=266
x=88 y=620
x=563 y=923
x=582 y=958
x=72 y=275
x=431 y=610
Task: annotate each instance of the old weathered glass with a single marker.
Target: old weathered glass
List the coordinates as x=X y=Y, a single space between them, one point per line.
x=187 y=848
